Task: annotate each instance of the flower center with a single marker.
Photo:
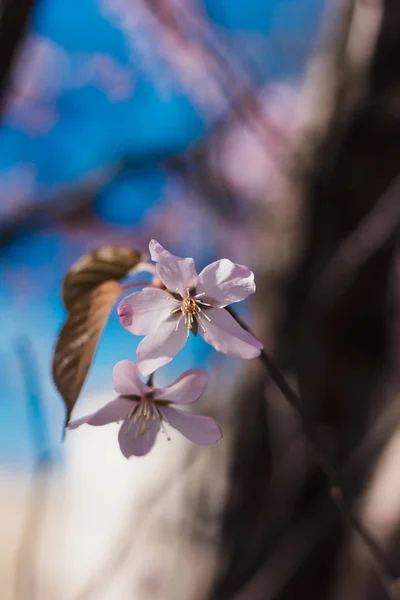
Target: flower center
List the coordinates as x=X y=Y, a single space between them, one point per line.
x=189 y=305
x=192 y=309
x=146 y=412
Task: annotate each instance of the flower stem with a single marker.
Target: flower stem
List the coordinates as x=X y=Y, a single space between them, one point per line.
x=332 y=474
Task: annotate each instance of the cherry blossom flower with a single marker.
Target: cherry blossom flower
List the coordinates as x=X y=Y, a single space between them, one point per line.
x=145 y=410
x=191 y=303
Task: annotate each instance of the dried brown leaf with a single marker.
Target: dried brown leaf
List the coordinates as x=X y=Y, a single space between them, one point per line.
x=94 y=268
x=78 y=340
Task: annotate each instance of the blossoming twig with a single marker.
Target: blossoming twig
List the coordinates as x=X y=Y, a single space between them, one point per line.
x=382 y=563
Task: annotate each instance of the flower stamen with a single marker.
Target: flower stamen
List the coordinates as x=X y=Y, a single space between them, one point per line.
x=203 y=314
x=203 y=303
x=192 y=311
x=178 y=322
x=163 y=429
x=144 y=412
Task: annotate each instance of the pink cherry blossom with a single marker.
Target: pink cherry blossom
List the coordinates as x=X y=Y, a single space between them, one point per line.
x=145 y=410
x=192 y=302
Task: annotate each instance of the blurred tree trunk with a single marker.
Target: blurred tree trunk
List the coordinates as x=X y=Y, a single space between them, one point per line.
x=337 y=347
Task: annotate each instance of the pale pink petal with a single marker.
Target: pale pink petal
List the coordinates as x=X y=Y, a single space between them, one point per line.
x=114 y=411
x=126 y=379
x=125 y=313
x=225 y=282
x=203 y=431
x=160 y=348
x=186 y=389
x=78 y=422
x=227 y=336
x=133 y=441
x=142 y=312
x=177 y=274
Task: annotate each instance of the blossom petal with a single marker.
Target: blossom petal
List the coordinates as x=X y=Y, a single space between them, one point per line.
x=186 y=389
x=160 y=347
x=125 y=313
x=78 y=422
x=126 y=379
x=225 y=282
x=227 y=336
x=114 y=411
x=131 y=439
x=199 y=430
x=142 y=312
x=177 y=274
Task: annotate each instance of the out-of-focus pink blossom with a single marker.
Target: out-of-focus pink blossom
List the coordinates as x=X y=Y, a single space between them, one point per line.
x=145 y=410
x=18 y=186
x=252 y=166
x=192 y=302
x=44 y=71
x=171 y=40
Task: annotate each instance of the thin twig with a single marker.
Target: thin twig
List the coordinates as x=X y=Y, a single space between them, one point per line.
x=383 y=565
x=268 y=570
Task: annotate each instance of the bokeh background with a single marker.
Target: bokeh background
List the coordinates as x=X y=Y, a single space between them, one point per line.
x=265 y=132
x=106 y=111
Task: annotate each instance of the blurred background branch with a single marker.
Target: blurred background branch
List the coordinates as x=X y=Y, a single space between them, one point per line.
x=26 y=568
x=14 y=22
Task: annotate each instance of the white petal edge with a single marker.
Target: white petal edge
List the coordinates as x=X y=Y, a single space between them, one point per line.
x=186 y=389
x=161 y=347
x=225 y=334
x=200 y=430
x=225 y=282
x=126 y=379
x=112 y=412
x=177 y=274
x=146 y=310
